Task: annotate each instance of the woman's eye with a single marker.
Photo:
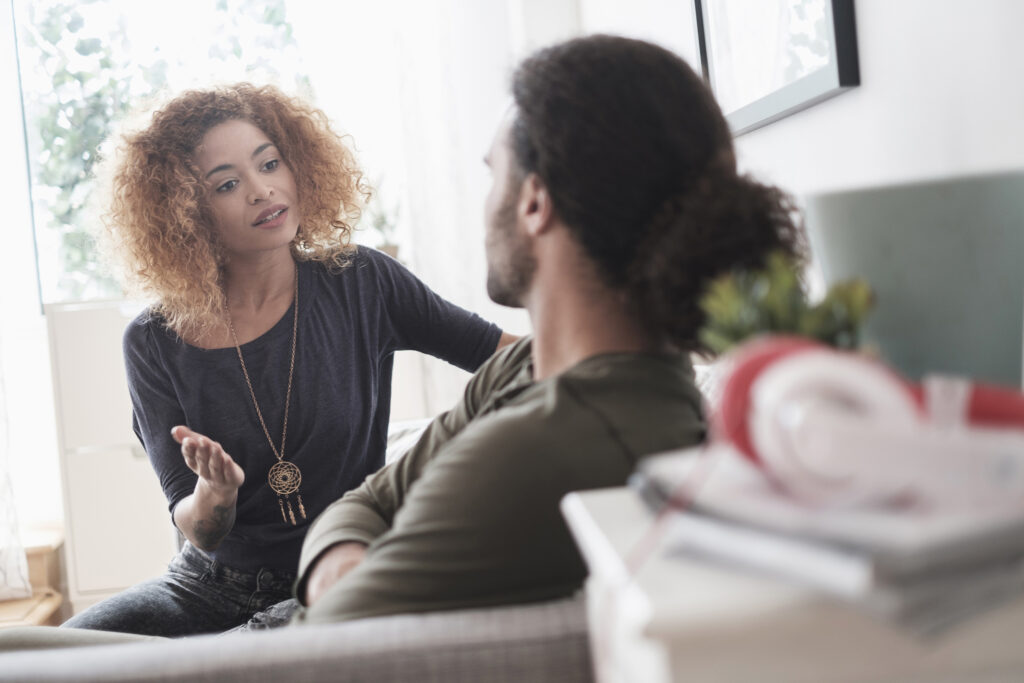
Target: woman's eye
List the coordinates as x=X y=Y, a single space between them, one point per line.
x=271 y=165
x=228 y=186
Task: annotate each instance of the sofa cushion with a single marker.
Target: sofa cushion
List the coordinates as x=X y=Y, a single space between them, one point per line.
x=403 y=435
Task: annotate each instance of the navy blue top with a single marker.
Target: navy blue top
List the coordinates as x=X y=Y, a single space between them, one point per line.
x=350 y=324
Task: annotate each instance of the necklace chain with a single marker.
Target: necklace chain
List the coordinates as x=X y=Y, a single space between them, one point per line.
x=279 y=454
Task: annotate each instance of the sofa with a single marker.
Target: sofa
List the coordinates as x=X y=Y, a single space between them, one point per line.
x=537 y=643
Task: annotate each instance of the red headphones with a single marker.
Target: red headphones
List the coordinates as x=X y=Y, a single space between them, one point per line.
x=838 y=427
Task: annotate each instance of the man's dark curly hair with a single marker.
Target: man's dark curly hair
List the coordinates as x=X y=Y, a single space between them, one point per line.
x=639 y=163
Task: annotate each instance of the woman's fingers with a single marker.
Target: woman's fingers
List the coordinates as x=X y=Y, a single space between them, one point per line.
x=207 y=458
x=203 y=459
x=197 y=450
x=181 y=432
x=233 y=474
x=188 y=450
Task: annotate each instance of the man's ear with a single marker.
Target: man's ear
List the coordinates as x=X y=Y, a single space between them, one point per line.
x=536 y=212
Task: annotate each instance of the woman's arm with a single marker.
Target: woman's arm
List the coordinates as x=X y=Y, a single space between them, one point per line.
x=207 y=515
x=419 y=319
x=156 y=408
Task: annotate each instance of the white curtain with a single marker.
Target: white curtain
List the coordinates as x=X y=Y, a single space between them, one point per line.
x=420 y=85
x=13 y=565
x=18 y=305
x=455 y=60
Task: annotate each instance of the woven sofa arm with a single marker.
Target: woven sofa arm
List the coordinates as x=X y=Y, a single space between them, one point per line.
x=538 y=643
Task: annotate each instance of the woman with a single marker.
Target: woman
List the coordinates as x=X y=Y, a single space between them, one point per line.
x=260 y=381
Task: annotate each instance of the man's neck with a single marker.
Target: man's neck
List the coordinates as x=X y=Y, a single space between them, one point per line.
x=575 y=317
x=564 y=343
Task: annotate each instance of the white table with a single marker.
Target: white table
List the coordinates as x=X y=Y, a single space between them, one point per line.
x=682 y=619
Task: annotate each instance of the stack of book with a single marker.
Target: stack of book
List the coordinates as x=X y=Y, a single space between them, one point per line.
x=926 y=569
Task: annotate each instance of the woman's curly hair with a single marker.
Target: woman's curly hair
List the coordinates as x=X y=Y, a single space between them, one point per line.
x=158 y=221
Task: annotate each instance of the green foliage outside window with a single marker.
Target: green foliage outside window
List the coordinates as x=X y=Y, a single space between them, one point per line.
x=82 y=72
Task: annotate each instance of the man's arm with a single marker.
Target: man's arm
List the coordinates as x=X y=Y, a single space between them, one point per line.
x=337 y=539
x=368 y=512
x=329 y=567
x=481 y=526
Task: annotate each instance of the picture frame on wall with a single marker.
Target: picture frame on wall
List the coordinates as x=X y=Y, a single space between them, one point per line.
x=767 y=59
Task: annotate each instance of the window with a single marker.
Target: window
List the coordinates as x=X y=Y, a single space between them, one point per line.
x=85 y=64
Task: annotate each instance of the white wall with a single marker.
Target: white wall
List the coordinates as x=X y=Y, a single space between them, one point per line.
x=669 y=23
x=940 y=93
x=536 y=23
x=940 y=96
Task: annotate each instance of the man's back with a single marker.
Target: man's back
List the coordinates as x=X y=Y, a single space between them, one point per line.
x=470 y=516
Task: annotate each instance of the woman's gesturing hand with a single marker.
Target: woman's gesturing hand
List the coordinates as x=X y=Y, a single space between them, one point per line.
x=207 y=516
x=206 y=458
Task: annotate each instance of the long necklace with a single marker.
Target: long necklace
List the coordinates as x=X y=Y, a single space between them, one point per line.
x=284 y=477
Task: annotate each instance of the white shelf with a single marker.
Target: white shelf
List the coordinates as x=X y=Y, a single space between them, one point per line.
x=656 y=617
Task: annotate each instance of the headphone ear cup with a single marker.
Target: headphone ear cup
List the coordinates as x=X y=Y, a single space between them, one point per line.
x=996 y=406
x=821 y=422
x=731 y=408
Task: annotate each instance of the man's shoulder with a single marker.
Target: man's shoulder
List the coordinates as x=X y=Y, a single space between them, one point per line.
x=513 y=356
x=535 y=444
x=501 y=369
x=627 y=403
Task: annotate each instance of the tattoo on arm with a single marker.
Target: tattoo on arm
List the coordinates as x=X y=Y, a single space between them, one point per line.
x=210 y=532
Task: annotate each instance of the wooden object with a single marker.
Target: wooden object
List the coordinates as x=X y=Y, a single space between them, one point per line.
x=44 y=549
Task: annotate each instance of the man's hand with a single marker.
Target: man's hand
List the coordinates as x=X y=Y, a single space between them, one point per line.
x=207 y=459
x=333 y=564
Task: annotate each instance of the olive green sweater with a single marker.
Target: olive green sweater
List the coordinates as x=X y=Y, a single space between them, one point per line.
x=469 y=517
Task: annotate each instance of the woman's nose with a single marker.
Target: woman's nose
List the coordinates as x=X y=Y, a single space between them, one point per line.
x=260 y=192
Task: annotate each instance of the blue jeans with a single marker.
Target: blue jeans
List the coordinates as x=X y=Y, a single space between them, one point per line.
x=196 y=595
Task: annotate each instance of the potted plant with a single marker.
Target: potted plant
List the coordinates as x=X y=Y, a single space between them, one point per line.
x=746 y=303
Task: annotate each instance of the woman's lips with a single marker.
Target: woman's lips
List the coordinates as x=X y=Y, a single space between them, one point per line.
x=271 y=217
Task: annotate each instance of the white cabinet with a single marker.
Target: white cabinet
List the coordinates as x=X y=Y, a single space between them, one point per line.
x=118 y=529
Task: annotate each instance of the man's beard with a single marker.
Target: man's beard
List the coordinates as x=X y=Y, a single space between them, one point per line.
x=510 y=265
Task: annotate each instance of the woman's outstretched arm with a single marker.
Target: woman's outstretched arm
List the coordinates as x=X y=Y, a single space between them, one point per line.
x=206 y=516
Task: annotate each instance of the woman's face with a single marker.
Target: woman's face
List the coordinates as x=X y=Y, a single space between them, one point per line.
x=251 y=191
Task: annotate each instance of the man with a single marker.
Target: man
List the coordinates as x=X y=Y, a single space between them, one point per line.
x=615 y=199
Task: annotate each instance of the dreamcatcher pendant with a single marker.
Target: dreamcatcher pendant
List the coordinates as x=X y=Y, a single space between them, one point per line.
x=284 y=478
